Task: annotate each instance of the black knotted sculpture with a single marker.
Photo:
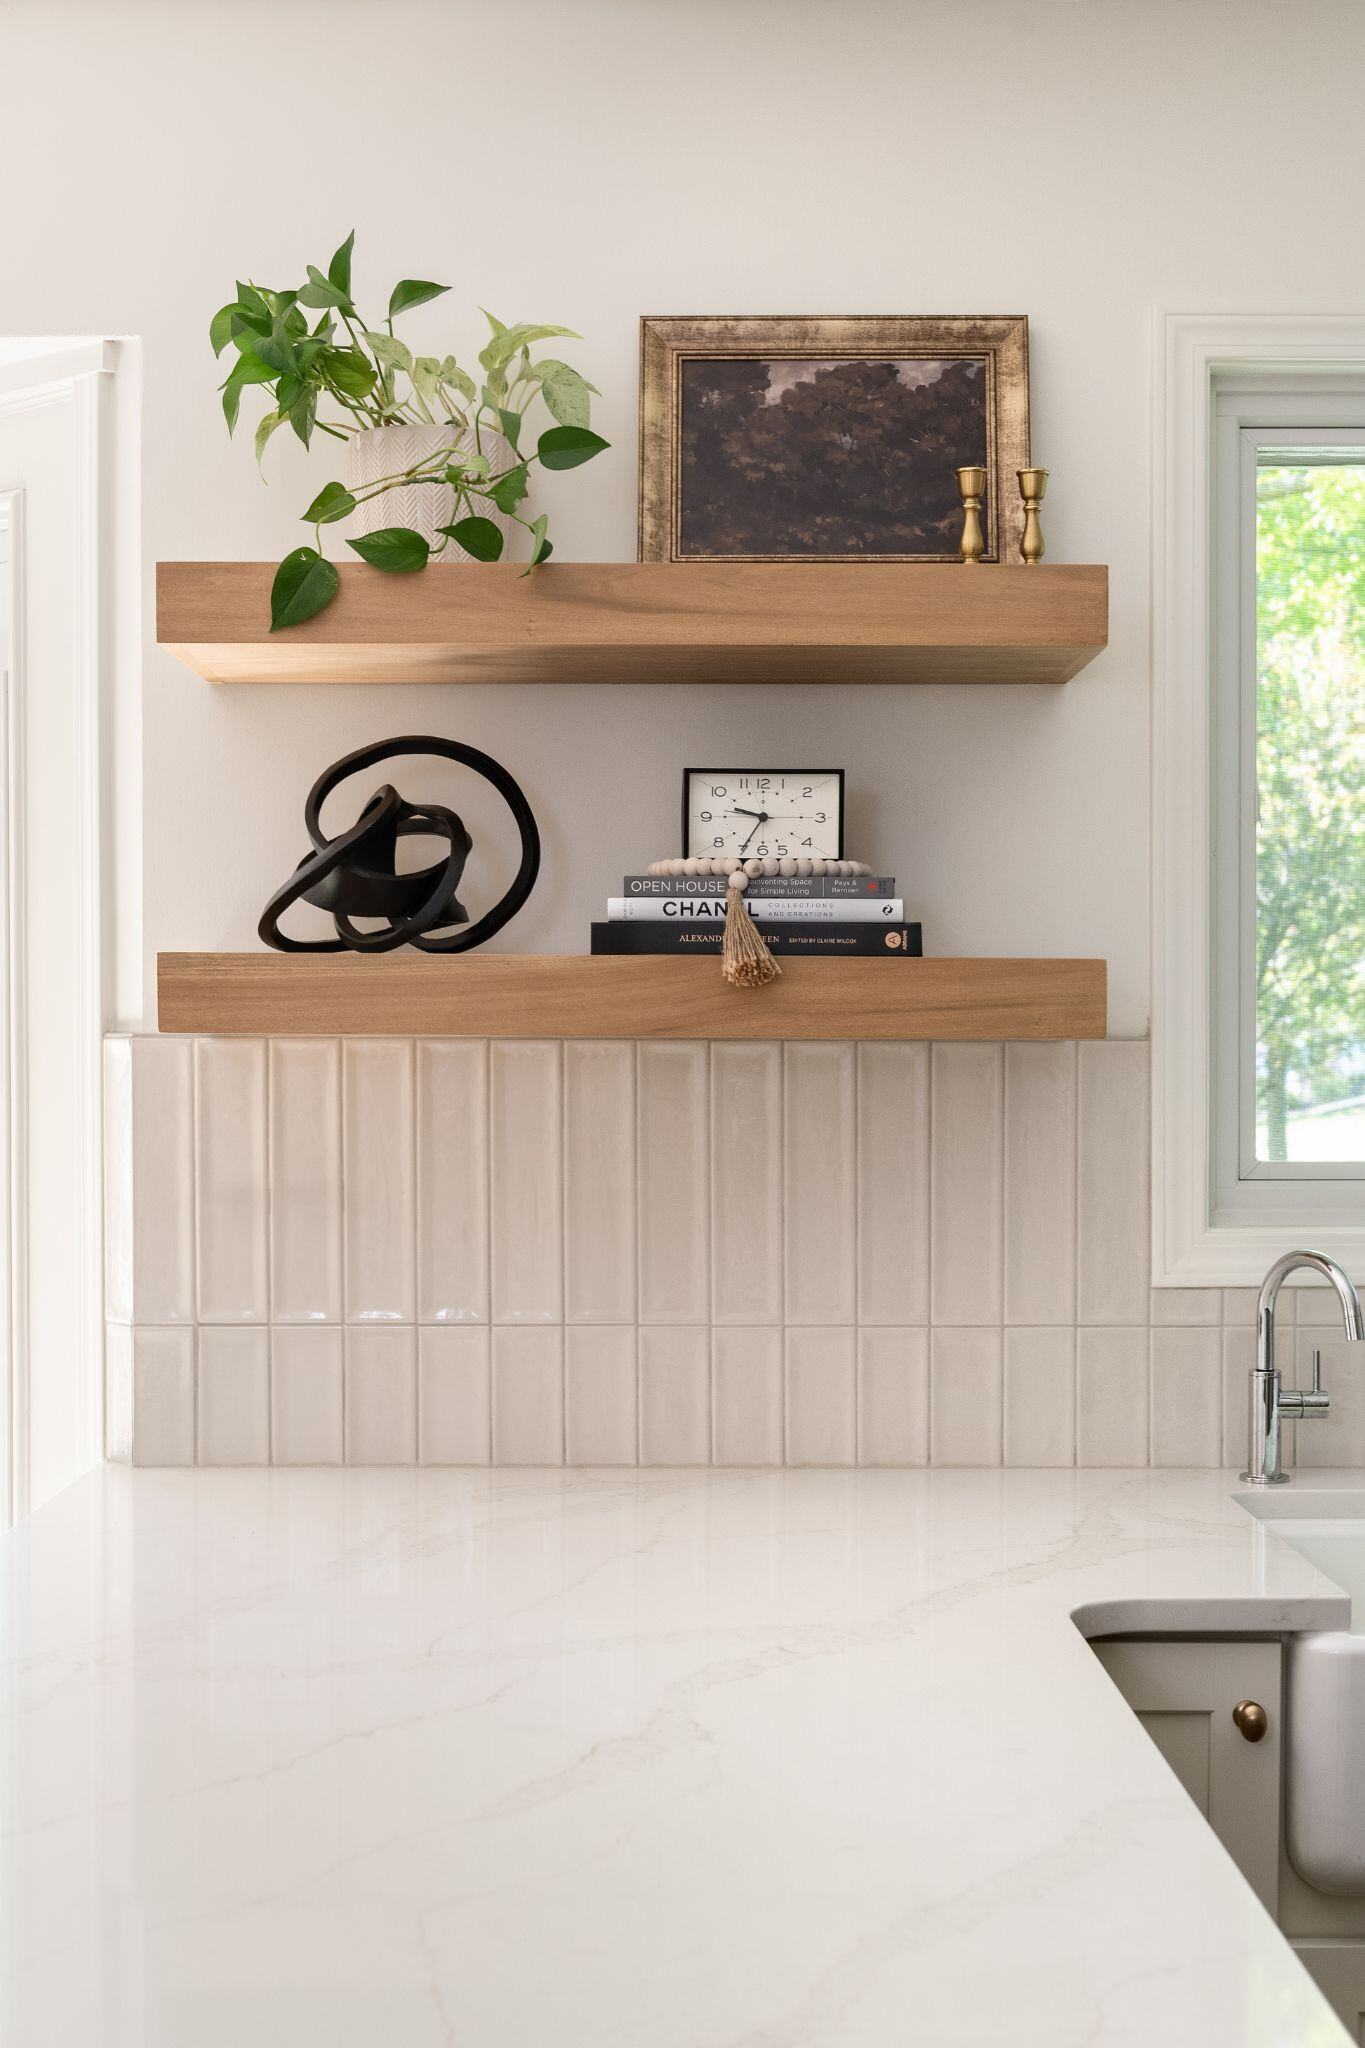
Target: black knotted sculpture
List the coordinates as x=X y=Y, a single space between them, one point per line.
x=356 y=874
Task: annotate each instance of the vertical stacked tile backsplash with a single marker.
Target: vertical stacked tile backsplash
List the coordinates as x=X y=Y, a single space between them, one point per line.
x=446 y=1251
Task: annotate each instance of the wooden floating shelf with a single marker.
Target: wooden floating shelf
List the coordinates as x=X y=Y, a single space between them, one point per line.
x=524 y=995
x=646 y=622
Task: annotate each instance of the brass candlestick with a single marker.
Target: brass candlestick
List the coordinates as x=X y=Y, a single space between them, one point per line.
x=971 y=484
x=1032 y=489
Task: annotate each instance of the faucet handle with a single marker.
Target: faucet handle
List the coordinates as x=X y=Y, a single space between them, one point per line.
x=1307 y=1404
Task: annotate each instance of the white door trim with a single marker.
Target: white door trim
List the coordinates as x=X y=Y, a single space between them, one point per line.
x=89 y=977
x=13 y=1040
x=1189 y=350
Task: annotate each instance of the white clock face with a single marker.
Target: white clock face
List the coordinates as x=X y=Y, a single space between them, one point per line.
x=747 y=813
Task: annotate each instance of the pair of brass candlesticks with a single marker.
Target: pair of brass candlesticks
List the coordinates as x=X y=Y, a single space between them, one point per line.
x=971 y=484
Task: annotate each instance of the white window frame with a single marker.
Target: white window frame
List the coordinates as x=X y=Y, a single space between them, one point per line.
x=1213 y=1222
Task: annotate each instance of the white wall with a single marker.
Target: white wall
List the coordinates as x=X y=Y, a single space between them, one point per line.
x=1078 y=160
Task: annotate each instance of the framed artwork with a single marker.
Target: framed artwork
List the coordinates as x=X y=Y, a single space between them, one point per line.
x=828 y=439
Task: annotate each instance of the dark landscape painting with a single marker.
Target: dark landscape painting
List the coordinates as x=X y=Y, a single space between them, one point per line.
x=808 y=458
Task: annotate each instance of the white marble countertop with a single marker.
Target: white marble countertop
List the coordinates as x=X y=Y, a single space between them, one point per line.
x=512 y=1759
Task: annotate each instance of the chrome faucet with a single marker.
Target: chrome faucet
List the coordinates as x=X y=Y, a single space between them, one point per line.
x=1269 y=1403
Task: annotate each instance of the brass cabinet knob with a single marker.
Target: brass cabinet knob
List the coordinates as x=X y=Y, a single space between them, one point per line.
x=1251 y=1718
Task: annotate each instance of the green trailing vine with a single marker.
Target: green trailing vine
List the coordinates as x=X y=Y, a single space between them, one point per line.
x=338 y=375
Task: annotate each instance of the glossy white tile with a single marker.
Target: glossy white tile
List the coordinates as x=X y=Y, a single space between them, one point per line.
x=1239 y=1306
x=820 y=1182
x=231 y=1193
x=672 y=1081
x=675 y=1395
x=118 y=1187
x=1112 y=1384
x=1187 y=1397
x=528 y=1395
x=779 y=1218
x=1314 y=1306
x=163 y=1180
x=746 y=1396
x=233 y=1418
x=307 y=1395
x=893 y=1396
x=599 y=1395
x=1186 y=1307
x=163 y=1397
x=1040 y=1396
x=1337 y=1438
x=305 y=1180
x=526 y=1157
x=965 y=1416
x=454 y=1419
x=377 y=1153
x=1113 y=1216
x=599 y=1181
x=746 y=1183
x=967 y=1107
x=381 y=1395
x=821 y=1397
x=893 y=1183
x=1239 y=1356
x=1040 y=1185
x=452 y=1180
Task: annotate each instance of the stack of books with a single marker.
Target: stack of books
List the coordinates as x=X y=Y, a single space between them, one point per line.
x=818 y=915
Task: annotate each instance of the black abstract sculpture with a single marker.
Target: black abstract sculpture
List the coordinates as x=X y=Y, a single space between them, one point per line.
x=356 y=875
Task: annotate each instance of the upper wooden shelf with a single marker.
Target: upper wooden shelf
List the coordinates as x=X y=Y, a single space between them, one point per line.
x=525 y=995
x=646 y=622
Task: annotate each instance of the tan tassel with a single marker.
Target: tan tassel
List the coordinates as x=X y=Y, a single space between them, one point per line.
x=744 y=959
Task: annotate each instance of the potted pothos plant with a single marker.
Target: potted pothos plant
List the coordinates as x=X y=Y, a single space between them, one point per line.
x=445 y=450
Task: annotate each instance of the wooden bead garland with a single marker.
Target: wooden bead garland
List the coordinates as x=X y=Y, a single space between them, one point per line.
x=741 y=872
x=745 y=961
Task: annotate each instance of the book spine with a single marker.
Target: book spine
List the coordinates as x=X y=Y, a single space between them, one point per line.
x=764 y=910
x=844 y=887
x=827 y=941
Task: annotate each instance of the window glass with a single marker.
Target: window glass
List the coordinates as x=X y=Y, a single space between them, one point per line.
x=1310 y=806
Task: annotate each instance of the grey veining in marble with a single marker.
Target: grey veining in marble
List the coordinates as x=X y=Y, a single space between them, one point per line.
x=588 y=1759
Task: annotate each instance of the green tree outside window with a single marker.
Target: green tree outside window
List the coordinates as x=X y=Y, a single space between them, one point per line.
x=1310 y=771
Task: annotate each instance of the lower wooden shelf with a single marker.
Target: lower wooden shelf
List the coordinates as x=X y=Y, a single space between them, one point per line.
x=525 y=995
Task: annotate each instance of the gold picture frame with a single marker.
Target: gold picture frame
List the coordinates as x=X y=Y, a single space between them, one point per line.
x=672 y=349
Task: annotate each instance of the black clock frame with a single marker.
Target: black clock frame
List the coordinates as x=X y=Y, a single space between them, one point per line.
x=688 y=773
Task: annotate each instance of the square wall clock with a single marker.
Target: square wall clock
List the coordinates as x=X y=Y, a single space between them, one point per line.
x=751 y=812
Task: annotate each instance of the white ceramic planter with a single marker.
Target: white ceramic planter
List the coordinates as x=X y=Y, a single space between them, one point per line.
x=382 y=451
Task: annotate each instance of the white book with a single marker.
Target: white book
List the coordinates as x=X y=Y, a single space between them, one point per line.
x=763 y=909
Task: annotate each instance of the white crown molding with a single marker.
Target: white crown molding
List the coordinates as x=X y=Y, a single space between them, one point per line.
x=55 y=359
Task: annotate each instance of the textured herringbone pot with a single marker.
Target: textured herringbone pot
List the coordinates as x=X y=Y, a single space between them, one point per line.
x=385 y=451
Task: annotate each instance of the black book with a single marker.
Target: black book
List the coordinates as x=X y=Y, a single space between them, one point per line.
x=816 y=941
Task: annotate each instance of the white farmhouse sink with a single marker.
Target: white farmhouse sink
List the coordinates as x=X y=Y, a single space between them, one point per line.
x=1324 y=1744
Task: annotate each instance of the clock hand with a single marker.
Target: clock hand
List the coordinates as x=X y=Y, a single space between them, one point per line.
x=752 y=829
x=739 y=811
